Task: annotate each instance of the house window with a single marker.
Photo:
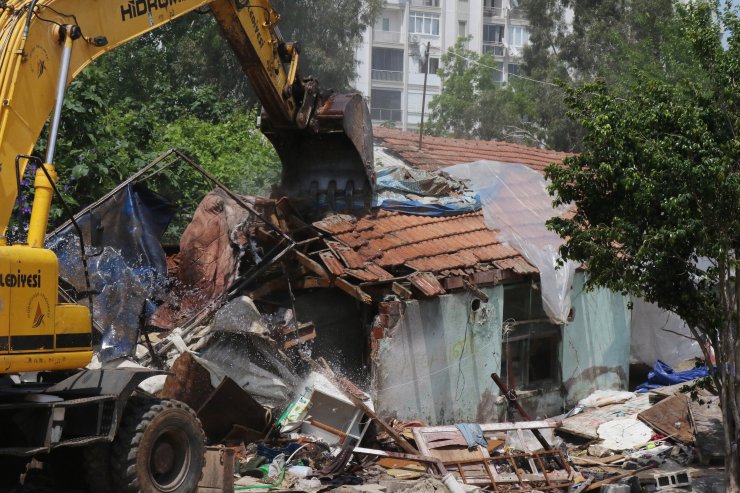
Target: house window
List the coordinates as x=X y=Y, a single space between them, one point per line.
x=385 y=105
x=387 y=64
x=531 y=343
x=433 y=65
x=519 y=36
x=424 y=23
x=386 y=24
x=493 y=33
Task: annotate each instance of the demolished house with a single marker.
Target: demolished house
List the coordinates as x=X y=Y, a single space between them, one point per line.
x=419 y=301
x=439 y=303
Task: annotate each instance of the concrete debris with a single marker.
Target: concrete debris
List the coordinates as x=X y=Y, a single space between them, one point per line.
x=272 y=330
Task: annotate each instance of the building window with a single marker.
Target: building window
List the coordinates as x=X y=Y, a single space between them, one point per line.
x=385 y=105
x=493 y=33
x=433 y=65
x=386 y=24
x=531 y=343
x=424 y=23
x=519 y=36
x=387 y=64
x=462 y=29
x=431 y=3
x=492 y=8
x=513 y=69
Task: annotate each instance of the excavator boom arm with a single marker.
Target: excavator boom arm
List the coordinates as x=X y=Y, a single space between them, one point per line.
x=30 y=58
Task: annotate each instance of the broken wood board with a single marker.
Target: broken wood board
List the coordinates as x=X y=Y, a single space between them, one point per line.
x=472 y=465
x=708 y=427
x=670 y=417
x=586 y=423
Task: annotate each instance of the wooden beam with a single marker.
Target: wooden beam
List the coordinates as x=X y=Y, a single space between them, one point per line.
x=427 y=459
x=353 y=290
x=311 y=264
x=401 y=291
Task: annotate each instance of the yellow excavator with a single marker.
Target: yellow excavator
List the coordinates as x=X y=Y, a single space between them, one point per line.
x=132 y=442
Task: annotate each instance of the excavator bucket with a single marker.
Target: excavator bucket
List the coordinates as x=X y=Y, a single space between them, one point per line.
x=328 y=166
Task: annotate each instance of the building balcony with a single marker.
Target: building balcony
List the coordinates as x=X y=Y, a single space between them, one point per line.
x=426 y=3
x=493 y=13
x=387 y=75
x=386 y=114
x=387 y=37
x=495 y=49
x=517 y=14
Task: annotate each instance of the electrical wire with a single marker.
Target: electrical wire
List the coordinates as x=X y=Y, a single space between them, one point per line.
x=476 y=62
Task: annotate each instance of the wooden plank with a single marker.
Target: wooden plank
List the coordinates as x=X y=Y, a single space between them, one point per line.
x=310 y=264
x=395 y=455
x=353 y=290
x=522 y=425
x=671 y=418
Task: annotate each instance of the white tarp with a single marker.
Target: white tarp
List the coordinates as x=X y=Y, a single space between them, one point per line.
x=658 y=334
x=516 y=203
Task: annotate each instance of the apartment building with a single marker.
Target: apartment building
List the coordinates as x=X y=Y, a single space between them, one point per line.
x=392 y=54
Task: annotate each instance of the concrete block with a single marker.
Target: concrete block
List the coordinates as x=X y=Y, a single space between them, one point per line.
x=673 y=479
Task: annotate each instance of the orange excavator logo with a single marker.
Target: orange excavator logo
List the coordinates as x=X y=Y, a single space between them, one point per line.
x=38 y=318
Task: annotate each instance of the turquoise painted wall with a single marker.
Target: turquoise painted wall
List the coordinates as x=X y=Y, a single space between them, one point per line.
x=435 y=364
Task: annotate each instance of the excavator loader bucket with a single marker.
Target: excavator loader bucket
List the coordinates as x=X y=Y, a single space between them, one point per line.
x=328 y=166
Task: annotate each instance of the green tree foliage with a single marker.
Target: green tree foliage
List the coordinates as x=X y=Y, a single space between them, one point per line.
x=181 y=86
x=570 y=40
x=474 y=104
x=657 y=191
x=328 y=32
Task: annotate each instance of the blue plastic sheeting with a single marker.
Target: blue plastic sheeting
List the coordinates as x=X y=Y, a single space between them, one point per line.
x=421 y=209
x=663 y=375
x=129 y=268
x=423 y=193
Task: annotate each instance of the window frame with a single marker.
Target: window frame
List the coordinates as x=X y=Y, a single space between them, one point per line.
x=424 y=20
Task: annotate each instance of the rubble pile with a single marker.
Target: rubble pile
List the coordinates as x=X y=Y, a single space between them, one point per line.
x=229 y=331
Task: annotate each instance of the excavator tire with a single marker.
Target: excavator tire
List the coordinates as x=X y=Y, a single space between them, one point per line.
x=159 y=447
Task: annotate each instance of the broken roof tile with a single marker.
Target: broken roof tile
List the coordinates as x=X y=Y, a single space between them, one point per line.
x=338 y=223
x=384 y=241
x=383 y=275
x=426 y=283
x=439 y=152
x=332 y=263
x=516 y=264
x=351 y=258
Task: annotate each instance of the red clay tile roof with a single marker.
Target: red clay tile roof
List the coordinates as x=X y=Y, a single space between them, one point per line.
x=373 y=247
x=439 y=152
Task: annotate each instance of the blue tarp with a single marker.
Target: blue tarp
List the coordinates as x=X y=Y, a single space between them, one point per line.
x=422 y=209
x=663 y=375
x=130 y=267
x=423 y=193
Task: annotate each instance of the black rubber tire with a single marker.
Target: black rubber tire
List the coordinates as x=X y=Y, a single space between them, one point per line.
x=98 y=477
x=159 y=448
